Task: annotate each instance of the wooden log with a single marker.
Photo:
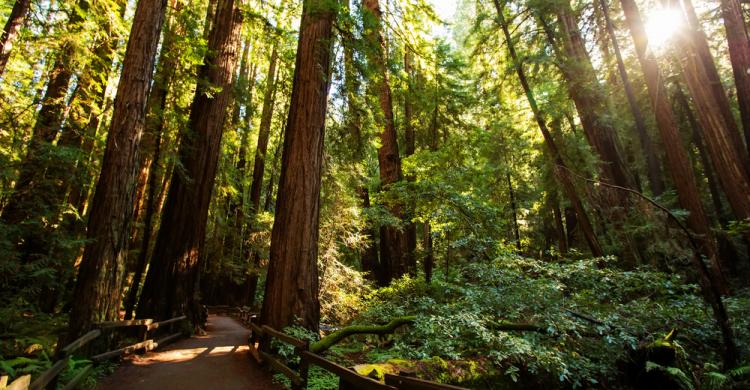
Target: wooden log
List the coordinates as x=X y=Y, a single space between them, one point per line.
x=123 y=351
x=156 y=325
x=80 y=342
x=49 y=375
x=79 y=378
x=280 y=367
x=349 y=376
x=123 y=324
x=404 y=382
x=20 y=383
x=166 y=340
x=283 y=337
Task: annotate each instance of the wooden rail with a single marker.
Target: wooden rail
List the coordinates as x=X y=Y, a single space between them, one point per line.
x=348 y=378
x=49 y=377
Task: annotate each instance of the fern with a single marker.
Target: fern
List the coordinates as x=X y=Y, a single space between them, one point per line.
x=714 y=381
x=675 y=373
x=740 y=372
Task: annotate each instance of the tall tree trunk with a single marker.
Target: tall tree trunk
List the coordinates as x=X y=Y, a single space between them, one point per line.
x=97 y=291
x=392 y=240
x=721 y=135
x=559 y=166
x=712 y=283
x=410 y=231
x=170 y=287
x=259 y=165
x=292 y=281
x=694 y=41
x=514 y=209
x=739 y=54
x=653 y=166
x=695 y=137
x=11 y=29
x=587 y=94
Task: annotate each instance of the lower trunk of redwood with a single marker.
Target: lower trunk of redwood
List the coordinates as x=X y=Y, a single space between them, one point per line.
x=291 y=293
x=171 y=286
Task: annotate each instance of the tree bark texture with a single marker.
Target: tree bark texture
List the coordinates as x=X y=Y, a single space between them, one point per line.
x=392 y=240
x=739 y=54
x=11 y=29
x=97 y=291
x=171 y=283
x=292 y=279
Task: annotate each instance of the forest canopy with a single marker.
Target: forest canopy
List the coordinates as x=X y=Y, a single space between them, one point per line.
x=556 y=194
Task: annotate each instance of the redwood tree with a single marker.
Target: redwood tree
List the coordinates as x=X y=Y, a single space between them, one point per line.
x=292 y=281
x=712 y=283
x=392 y=240
x=170 y=287
x=97 y=291
x=11 y=29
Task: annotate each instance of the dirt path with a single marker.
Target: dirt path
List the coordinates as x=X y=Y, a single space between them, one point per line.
x=218 y=360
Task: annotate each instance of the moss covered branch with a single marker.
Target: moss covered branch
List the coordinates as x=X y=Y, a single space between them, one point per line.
x=332 y=339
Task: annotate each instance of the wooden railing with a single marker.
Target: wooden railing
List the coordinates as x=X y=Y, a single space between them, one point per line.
x=348 y=378
x=49 y=377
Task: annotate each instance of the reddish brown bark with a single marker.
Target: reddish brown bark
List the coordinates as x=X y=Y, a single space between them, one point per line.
x=171 y=283
x=292 y=281
x=739 y=54
x=11 y=29
x=259 y=165
x=693 y=40
x=392 y=240
x=97 y=291
x=711 y=279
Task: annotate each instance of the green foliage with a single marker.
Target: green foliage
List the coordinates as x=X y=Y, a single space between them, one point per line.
x=456 y=317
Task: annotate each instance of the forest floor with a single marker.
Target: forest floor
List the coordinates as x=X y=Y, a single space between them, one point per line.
x=219 y=360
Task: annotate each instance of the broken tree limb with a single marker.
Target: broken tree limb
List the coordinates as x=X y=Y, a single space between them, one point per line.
x=332 y=339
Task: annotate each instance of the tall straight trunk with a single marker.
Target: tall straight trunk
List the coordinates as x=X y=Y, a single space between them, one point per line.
x=11 y=29
x=97 y=291
x=514 y=209
x=694 y=39
x=562 y=237
x=695 y=137
x=392 y=240
x=653 y=165
x=739 y=54
x=292 y=281
x=28 y=200
x=259 y=165
x=150 y=150
x=590 y=101
x=369 y=254
x=711 y=279
x=719 y=133
x=410 y=231
x=559 y=166
x=170 y=287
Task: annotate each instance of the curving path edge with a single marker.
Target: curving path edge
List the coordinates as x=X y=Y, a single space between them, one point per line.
x=219 y=360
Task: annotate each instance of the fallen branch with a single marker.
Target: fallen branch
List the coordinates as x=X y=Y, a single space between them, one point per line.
x=513 y=326
x=332 y=339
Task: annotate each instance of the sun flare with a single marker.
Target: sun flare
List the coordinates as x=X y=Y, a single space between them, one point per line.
x=662 y=25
